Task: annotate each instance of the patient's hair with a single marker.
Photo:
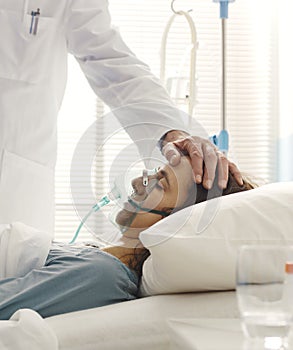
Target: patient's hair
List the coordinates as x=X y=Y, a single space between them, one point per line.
x=197 y=195
x=137 y=259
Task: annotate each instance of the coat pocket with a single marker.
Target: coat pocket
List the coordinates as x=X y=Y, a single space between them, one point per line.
x=26 y=192
x=24 y=56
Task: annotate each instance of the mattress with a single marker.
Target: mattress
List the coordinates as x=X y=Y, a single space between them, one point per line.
x=138 y=324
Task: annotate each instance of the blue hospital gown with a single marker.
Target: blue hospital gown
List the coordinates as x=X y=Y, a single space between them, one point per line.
x=72 y=279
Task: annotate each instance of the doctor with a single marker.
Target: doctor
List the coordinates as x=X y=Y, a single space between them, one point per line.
x=36 y=36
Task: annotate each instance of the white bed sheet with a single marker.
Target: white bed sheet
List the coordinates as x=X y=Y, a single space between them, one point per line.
x=138 y=324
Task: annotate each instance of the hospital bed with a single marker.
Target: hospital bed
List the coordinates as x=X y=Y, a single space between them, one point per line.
x=138 y=324
x=189 y=274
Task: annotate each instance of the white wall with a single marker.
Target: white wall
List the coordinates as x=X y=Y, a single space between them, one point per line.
x=286 y=89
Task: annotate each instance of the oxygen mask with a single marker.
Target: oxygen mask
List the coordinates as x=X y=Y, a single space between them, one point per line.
x=135 y=198
x=126 y=197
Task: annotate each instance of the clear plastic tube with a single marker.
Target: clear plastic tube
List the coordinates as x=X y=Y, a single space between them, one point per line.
x=118 y=192
x=114 y=194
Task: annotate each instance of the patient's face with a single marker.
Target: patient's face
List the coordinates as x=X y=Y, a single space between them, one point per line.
x=167 y=189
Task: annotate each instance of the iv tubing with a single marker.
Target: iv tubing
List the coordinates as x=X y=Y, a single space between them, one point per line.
x=192 y=88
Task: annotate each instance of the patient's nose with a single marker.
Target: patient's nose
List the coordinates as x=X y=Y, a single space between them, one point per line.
x=137 y=185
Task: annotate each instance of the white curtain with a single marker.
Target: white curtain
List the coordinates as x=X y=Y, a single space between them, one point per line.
x=252 y=86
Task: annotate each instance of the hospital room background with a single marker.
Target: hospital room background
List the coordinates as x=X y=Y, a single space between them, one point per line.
x=259 y=56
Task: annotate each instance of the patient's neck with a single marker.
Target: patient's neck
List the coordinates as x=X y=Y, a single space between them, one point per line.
x=127 y=248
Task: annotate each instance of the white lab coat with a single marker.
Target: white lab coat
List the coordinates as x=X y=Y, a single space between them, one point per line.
x=32 y=82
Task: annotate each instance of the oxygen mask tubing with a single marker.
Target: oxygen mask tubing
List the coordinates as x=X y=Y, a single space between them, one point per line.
x=119 y=192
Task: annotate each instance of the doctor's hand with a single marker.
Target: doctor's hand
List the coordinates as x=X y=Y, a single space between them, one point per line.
x=206 y=159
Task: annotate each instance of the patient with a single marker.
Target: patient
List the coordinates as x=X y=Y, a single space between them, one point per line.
x=169 y=190
x=81 y=277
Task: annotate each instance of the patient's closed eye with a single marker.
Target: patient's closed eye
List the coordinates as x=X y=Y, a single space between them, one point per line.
x=154 y=183
x=161 y=184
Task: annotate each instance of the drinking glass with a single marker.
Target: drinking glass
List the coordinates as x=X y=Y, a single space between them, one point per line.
x=265 y=292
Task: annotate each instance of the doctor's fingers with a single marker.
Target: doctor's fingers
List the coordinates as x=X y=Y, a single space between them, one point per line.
x=203 y=153
x=210 y=165
x=171 y=153
x=193 y=147
x=235 y=172
x=205 y=160
x=222 y=169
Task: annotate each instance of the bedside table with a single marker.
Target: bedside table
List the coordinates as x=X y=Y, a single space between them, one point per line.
x=211 y=334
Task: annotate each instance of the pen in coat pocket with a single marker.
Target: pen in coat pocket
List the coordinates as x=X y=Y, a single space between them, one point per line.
x=34 y=22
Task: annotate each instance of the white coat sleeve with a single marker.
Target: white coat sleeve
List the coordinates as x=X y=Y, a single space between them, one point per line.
x=116 y=75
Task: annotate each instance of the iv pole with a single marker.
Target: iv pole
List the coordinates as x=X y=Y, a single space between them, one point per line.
x=222 y=140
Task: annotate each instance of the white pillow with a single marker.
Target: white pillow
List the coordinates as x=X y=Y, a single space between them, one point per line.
x=195 y=249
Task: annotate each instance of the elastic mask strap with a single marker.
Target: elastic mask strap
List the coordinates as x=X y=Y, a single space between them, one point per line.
x=153 y=211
